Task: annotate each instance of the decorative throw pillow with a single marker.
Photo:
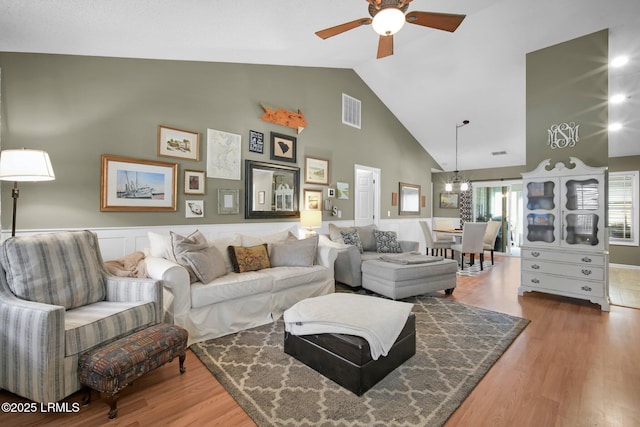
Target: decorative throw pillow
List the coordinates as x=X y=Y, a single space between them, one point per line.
x=352 y=238
x=334 y=232
x=222 y=243
x=367 y=238
x=294 y=253
x=387 y=242
x=250 y=258
x=208 y=264
x=191 y=243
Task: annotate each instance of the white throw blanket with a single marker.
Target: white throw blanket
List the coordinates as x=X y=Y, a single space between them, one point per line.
x=377 y=320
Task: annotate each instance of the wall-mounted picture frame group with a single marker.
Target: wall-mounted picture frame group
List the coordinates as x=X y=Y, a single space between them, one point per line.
x=316 y=170
x=312 y=200
x=194 y=208
x=449 y=200
x=256 y=142
x=133 y=185
x=194 y=182
x=228 y=201
x=178 y=143
x=283 y=147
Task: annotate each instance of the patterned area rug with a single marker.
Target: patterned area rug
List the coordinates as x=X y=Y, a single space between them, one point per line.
x=456 y=345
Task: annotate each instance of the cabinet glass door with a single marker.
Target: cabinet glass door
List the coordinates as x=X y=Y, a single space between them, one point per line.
x=541 y=199
x=582 y=227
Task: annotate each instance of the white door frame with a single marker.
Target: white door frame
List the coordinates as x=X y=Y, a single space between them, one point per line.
x=376 y=191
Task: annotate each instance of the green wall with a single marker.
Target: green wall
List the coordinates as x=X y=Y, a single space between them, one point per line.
x=568 y=82
x=77 y=108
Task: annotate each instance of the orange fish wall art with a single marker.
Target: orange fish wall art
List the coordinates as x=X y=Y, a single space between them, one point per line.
x=285 y=118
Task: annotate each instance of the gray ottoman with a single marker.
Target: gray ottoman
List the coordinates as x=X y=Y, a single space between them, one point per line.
x=398 y=281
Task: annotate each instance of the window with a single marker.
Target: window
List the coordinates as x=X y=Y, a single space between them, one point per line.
x=623 y=208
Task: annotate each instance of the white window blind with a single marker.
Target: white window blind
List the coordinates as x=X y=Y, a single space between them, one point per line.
x=623 y=208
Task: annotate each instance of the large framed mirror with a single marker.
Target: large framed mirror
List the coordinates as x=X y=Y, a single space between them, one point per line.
x=271 y=190
x=409 y=199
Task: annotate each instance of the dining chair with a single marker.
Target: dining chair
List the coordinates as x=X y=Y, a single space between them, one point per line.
x=493 y=227
x=472 y=242
x=443 y=224
x=438 y=247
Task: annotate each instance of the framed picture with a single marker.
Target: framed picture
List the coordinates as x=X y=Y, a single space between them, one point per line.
x=449 y=200
x=130 y=185
x=193 y=182
x=343 y=190
x=256 y=142
x=283 y=147
x=223 y=154
x=228 y=201
x=313 y=200
x=331 y=192
x=194 y=208
x=179 y=143
x=316 y=171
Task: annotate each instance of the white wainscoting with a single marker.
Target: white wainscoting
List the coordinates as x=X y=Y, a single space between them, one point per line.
x=116 y=242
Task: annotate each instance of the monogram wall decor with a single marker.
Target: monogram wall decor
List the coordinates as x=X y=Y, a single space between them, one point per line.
x=564 y=135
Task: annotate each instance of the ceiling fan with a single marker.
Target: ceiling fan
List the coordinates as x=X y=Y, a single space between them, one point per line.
x=388 y=17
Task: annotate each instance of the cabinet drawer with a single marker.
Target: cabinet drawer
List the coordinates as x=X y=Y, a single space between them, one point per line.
x=563 y=284
x=563 y=256
x=582 y=271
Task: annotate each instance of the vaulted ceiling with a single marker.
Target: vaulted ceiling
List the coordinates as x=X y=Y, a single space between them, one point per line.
x=434 y=80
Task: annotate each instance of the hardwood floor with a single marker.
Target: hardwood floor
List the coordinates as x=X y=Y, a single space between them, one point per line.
x=624 y=286
x=574 y=365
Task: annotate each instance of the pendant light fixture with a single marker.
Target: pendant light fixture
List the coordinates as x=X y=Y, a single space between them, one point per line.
x=457 y=179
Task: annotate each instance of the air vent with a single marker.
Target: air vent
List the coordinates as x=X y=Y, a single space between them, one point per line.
x=351 y=109
x=498 y=153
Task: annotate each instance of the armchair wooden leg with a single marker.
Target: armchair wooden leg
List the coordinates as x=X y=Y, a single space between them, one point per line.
x=491 y=256
x=482 y=261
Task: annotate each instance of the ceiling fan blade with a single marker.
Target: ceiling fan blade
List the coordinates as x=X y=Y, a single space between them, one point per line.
x=339 y=29
x=440 y=21
x=385 y=46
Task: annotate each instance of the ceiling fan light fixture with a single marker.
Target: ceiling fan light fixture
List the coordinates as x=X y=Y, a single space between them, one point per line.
x=388 y=21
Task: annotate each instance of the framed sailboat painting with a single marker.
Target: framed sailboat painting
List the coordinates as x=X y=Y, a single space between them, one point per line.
x=133 y=185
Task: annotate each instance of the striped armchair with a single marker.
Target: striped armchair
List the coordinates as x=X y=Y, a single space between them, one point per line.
x=56 y=302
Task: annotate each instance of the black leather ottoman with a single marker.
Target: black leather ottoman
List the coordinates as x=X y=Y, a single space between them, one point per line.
x=346 y=359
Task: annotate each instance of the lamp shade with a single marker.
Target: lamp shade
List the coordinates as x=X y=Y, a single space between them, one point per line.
x=388 y=21
x=25 y=165
x=310 y=219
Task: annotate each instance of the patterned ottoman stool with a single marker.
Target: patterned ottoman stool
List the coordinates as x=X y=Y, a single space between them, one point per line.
x=111 y=368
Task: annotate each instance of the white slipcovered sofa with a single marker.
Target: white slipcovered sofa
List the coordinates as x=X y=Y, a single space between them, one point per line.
x=235 y=301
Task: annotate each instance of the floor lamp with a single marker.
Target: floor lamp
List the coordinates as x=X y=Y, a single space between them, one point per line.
x=24 y=165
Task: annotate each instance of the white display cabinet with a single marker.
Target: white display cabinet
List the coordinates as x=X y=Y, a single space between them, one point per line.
x=565 y=249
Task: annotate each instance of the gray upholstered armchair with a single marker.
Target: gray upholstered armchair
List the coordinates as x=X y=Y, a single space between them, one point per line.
x=56 y=302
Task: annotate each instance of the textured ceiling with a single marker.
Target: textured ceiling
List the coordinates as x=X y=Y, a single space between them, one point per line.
x=434 y=80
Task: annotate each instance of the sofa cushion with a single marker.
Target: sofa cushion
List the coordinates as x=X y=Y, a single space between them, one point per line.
x=270 y=239
x=62 y=268
x=93 y=324
x=294 y=253
x=249 y=258
x=208 y=264
x=230 y=286
x=387 y=242
x=290 y=277
x=183 y=244
x=160 y=245
x=222 y=244
x=334 y=232
x=352 y=238
x=366 y=237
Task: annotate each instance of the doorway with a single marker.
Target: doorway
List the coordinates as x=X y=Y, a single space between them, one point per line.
x=366 y=195
x=501 y=201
